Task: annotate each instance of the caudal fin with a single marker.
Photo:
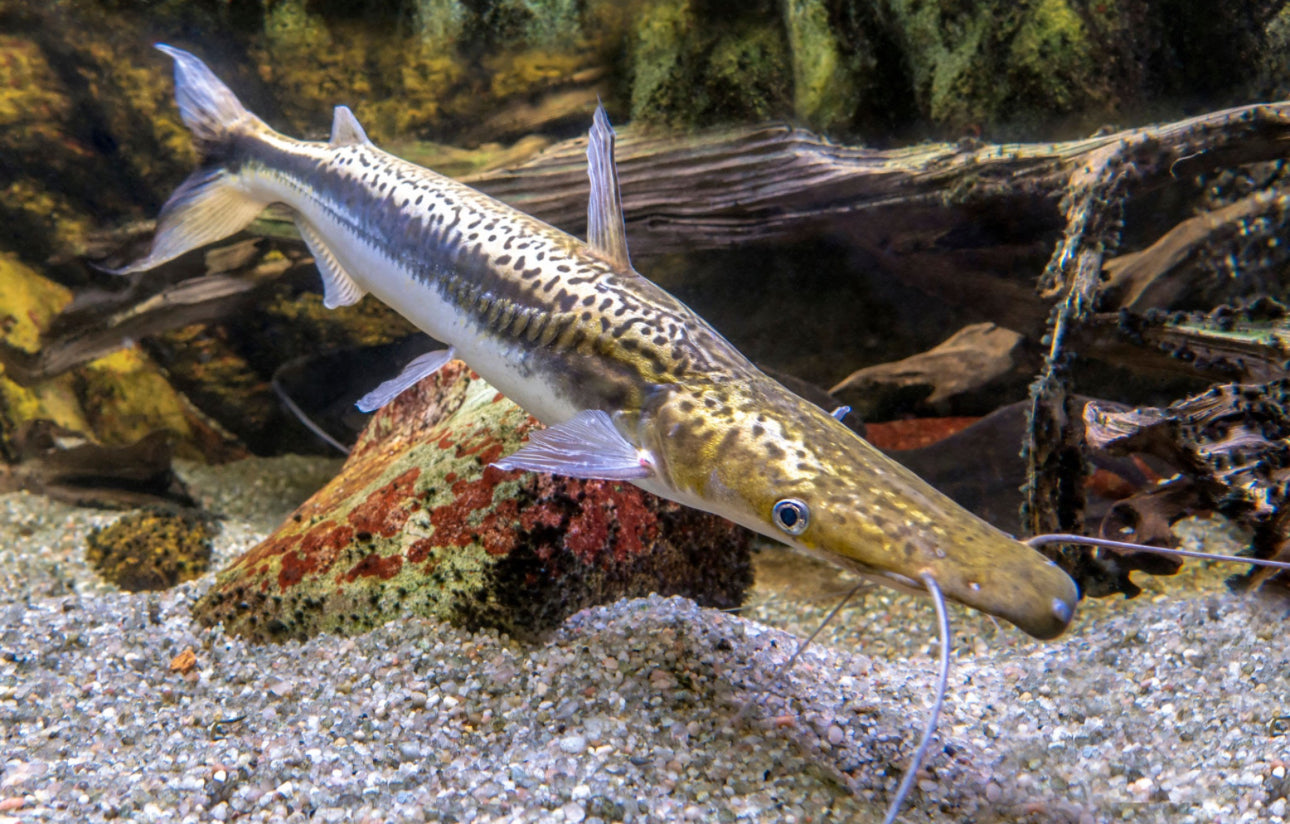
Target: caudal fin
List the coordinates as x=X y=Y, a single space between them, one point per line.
x=209 y=108
x=209 y=205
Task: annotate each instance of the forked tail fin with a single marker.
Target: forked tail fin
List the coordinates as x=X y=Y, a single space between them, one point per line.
x=210 y=205
x=209 y=108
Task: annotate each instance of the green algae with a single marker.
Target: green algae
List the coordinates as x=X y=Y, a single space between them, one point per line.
x=419 y=522
x=824 y=87
x=982 y=64
x=687 y=73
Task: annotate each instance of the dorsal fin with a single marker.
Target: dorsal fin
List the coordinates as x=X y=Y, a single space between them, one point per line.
x=345 y=128
x=606 y=232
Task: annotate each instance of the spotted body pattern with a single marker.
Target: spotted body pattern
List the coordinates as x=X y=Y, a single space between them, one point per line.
x=633 y=383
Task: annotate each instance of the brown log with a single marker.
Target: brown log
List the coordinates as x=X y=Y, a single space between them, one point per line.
x=721 y=188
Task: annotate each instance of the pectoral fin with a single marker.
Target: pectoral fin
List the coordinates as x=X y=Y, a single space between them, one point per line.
x=588 y=445
x=417 y=368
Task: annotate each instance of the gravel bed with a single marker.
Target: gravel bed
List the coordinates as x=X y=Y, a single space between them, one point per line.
x=1170 y=707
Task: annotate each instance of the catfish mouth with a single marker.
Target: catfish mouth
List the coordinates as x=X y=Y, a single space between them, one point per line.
x=1037 y=623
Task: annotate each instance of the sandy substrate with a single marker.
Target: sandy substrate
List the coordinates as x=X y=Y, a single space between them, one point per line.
x=1172 y=707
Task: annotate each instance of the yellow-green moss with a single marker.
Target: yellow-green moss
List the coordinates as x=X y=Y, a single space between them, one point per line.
x=658 y=62
x=395 y=84
x=56 y=214
x=125 y=397
x=688 y=71
x=991 y=62
x=28 y=302
x=150 y=550
x=550 y=23
x=423 y=95
x=150 y=91
x=30 y=105
x=824 y=92
x=748 y=72
x=1049 y=55
x=52 y=400
x=88 y=128
x=116 y=399
x=531 y=71
x=439 y=23
x=456 y=162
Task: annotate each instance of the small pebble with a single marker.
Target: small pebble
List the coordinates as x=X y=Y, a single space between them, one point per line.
x=573 y=744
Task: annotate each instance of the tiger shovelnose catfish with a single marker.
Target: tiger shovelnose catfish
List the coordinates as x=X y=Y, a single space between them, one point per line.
x=631 y=383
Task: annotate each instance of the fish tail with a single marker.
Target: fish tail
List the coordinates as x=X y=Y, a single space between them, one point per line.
x=211 y=204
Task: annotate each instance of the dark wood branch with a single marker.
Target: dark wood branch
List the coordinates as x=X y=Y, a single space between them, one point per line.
x=1171 y=267
x=1097 y=192
x=100 y=323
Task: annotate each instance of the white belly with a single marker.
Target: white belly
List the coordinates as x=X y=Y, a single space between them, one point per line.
x=506 y=365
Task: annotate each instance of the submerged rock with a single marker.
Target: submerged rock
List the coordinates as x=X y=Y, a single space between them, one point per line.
x=418 y=522
x=151 y=550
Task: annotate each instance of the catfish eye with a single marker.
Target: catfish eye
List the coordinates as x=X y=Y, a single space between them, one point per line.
x=791 y=515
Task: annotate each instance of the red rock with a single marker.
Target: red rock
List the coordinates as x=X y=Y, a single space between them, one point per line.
x=417 y=522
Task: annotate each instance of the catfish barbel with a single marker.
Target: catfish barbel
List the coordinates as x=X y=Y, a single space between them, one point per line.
x=631 y=383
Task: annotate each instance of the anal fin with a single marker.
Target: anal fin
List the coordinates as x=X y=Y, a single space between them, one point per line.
x=418 y=368
x=588 y=445
x=339 y=288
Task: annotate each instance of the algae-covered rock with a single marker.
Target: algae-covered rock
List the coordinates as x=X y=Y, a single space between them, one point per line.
x=688 y=70
x=150 y=550
x=87 y=126
x=975 y=64
x=417 y=522
x=28 y=302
